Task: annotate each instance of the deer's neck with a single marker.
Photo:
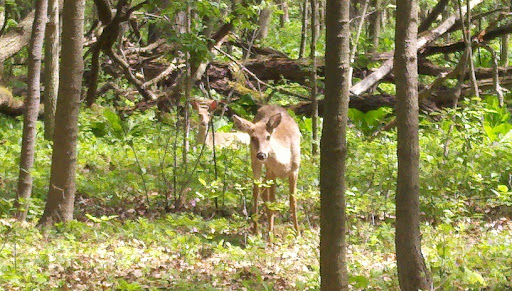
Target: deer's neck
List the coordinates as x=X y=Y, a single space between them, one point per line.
x=201 y=134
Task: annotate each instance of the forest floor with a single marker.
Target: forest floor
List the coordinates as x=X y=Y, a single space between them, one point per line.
x=186 y=252
x=123 y=239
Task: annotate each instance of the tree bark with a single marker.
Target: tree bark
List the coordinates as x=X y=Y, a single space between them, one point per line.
x=61 y=194
x=333 y=148
x=51 y=68
x=31 y=111
x=314 y=88
x=412 y=270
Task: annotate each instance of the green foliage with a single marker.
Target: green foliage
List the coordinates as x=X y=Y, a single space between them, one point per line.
x=368 y=122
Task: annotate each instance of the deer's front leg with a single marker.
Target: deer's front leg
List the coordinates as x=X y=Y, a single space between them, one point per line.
x=271 y=197
x=292 y=180
x=256 y=170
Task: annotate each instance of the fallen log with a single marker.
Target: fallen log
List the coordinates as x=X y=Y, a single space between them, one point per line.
x=18 y=37
x=10 y=106
x=459 y=45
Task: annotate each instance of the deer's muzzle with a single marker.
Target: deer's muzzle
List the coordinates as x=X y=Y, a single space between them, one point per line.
x=261 y=156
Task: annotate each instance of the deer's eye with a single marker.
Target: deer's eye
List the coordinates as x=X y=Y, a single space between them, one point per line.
x=268 y=137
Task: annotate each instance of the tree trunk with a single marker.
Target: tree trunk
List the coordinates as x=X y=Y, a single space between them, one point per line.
x=314 y=89
x=264 y=22
x=61 y=194
x=285 y=16
x=321 y=14
x=412 y=271
x=304 y=29
x=374 y=25
x=333 y=148
x=504 y=50
x=51 y=68
x=187 y=88
x=2 y=15
x=504 y=46
x=466 y=29
x=31 y=110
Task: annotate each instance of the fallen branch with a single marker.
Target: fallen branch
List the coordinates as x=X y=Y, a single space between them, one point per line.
x=16 y=38
x=423 y=40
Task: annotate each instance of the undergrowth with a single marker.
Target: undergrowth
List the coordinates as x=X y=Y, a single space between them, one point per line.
x=146 y=220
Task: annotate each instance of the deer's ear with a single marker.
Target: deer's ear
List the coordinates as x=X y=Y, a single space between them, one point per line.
x=273 y=122
x=195 y=105
x=242 y=124
x=212 y=106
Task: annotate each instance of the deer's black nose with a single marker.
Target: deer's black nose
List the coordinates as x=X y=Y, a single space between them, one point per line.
x=261 y=156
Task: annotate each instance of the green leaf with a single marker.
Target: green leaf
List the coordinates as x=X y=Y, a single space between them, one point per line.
x=502 y=188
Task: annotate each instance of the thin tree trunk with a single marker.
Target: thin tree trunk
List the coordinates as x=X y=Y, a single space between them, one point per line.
x=2 y=29
x=61 y=194
x=303 y=34
x=412 y=271
x=51 y=68
x=466 y=32
x=285 y=16
x=314 y=89
x=504 y=50
x=264 y=22
x=375 y=25
x=321 y=14
x=333 y=148
x=31 y=110
x=353 y=50
x=504 y=47
x=2 y=15
x=187 y=86
x=495 y=75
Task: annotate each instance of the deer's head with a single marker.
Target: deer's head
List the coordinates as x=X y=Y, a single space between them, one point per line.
x=204 y=113
x=260 y=133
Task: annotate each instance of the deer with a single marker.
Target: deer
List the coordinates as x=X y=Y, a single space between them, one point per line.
x=222 y=139
x=275 y=144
